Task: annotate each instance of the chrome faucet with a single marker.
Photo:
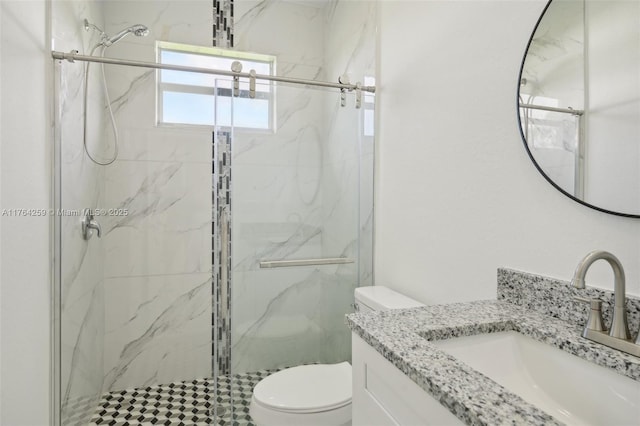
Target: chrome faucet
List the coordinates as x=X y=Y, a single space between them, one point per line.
x=89 y=224
x=619 y=336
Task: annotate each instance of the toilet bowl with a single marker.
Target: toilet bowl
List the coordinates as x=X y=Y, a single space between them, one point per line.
x=317 y=394
x=307 y=395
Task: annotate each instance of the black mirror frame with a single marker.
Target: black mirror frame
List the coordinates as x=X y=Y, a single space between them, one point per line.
x=524 y=140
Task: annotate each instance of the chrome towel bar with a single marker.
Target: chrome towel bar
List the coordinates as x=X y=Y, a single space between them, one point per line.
x=305 y=262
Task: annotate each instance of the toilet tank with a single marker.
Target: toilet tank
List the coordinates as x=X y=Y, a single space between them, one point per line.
x=379 y=298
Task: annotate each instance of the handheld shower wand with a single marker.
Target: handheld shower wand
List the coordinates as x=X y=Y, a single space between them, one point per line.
x=138 y=30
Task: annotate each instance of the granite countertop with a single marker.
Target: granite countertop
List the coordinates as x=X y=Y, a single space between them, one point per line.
x=403 y=337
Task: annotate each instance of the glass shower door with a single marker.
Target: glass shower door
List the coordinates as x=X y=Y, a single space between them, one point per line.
x=295 y=233
x=134 y=302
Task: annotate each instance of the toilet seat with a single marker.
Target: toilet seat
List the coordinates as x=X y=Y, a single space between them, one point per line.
x=306 y=389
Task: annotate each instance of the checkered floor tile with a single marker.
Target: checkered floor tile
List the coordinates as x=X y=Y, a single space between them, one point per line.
x=182 y=403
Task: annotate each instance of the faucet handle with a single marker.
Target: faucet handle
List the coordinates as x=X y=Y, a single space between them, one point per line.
x=89 y=224
x=594 y=322
x=594 y=303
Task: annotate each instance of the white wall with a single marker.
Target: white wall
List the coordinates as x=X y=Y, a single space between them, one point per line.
x=613 y=128
x=25 y=171
x=457 y=196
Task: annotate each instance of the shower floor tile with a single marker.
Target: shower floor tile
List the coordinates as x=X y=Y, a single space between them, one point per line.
x=181 y=403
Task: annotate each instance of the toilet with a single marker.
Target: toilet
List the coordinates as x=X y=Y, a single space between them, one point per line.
x=318 y=394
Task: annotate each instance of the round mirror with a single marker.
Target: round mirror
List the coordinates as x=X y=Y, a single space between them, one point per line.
x=579 y=101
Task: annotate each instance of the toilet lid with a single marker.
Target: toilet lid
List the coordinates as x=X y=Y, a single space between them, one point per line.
x=306 y=388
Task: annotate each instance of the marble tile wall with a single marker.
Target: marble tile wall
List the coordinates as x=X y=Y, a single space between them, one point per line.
x=81 y=262
x=276 y=203
x=158 y=257
x=296 y=191
x=161 y=331
x=300 y=56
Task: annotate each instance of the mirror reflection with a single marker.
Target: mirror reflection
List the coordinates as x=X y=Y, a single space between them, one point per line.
x=580 y=101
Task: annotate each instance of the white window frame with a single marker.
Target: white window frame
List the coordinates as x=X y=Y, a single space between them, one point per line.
x=161 y=87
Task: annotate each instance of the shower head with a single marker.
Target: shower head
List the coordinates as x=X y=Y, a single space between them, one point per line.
x=138 y=30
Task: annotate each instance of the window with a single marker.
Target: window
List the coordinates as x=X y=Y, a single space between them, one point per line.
x=188 y=98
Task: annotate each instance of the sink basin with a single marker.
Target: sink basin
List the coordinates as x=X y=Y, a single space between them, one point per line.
x=569 y=388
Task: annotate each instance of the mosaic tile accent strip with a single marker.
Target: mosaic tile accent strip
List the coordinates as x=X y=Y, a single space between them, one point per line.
x=182 y=403
x=221 y=253
x=223 y=23
x=553 y=297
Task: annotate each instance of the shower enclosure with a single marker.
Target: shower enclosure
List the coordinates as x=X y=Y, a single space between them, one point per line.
x=225 y=252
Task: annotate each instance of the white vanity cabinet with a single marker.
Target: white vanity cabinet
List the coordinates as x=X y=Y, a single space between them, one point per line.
x=384 y=395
